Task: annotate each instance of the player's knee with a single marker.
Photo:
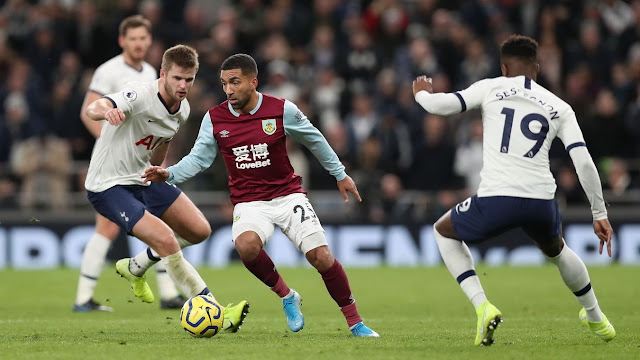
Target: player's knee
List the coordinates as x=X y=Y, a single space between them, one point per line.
x=248 y=247
x=444 y=226
x=107 y=229
x=166 y=243
x=551 y=248
x=320 y=258
x=201 y=233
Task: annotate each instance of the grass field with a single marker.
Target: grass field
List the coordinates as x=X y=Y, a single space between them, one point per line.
x=420 y=313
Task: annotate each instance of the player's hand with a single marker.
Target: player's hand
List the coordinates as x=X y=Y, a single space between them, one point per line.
x=422 y=83
x=603 y=229
x=155 y=174
x=347 y=185
x=115 y=116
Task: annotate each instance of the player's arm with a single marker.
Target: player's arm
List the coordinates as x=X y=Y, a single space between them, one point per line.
x=105 y=109
x=298 y=126
x=447 y=103
x=159 y=154
x=200 y=157
x=587 y=172
x=94 y=127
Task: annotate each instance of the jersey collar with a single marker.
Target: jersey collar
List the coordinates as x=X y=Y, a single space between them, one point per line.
x=252 y=112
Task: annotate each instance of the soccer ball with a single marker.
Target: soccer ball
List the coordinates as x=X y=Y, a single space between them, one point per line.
x=201 y=316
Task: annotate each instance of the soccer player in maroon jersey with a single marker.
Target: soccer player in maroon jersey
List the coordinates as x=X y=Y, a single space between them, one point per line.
x=249 y=130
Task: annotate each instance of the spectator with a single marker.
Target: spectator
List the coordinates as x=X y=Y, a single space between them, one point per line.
x=468 y=160
x=434 y=156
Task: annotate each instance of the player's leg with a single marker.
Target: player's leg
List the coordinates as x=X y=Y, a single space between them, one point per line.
x=93 y=257
x=160 y=237
x=193 y=227
x=296 y=217
x=458 y=259
x=180 y=214
x=319 y=255
x=548 y=237
x=252 y=227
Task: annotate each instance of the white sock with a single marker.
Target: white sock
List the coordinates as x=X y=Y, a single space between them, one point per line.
x=576 y=277
x=144 y=260
x=166 y=288
x=92 y=262
x=185 y=275
x=290 y=294
x=140 y=263
x=457 y=258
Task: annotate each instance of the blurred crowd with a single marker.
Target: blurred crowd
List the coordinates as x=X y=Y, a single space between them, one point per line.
x=348 y=65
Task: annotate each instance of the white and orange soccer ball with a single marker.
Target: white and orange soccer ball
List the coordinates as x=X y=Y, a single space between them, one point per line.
x=201 y=316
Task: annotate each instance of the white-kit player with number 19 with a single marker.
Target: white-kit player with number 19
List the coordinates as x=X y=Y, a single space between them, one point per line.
x=517 y=190
x=134 y=39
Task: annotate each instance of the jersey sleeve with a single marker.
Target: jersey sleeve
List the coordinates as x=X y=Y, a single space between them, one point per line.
x=131 y=100
x=298 y=126
x=456 y=102
x=569 y=131
x=590 y=181
x=101 y=81
x=200 y=157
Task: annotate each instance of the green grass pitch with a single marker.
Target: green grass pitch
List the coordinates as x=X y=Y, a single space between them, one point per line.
x=420 y=313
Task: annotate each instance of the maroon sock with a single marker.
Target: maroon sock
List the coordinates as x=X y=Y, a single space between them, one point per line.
x=264 y=269
x=338 y=285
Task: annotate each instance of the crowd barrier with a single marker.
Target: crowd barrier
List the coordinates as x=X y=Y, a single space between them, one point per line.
x=48 y=245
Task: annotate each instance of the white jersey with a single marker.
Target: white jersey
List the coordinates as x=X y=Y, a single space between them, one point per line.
x=112 y=75
x=520 y=120
x=122 y=153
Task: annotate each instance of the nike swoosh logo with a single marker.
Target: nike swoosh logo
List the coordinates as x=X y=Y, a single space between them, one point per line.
x=150 y=120
x=483 y=317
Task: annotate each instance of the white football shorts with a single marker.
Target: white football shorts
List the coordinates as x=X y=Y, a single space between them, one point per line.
x=292 y=213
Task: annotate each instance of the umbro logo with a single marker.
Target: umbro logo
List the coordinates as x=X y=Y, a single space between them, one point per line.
x=224 y=133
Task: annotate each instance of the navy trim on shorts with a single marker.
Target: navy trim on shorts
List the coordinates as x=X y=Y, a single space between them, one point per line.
x=575 y=145
x=583 y=291
x=527 y=83
x=464 y=105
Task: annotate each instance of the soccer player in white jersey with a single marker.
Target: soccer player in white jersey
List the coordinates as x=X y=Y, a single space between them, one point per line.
x=134 y=39
x=142 y=120
x=520 y=120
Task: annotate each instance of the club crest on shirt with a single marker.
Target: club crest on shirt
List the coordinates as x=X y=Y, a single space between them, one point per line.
x=269 y=126
x=129 y=95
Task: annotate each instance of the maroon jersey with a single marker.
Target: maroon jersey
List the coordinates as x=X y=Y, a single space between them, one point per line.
x=253 y=147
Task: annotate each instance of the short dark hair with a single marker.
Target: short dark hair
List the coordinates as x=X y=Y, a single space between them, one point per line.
x=133 y=22
x=181 y=55
x=243 y=62
x=519 y=46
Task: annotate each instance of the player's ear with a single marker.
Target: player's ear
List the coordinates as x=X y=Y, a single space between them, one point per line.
x=121 y=41
x=537 y=68
x=505 y=69
x=255 y=83
x=162 y=73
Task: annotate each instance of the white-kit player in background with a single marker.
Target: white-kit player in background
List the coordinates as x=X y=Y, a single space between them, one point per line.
x=517 y=190
x=134 y=39
x=142 y=120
